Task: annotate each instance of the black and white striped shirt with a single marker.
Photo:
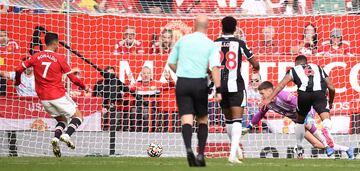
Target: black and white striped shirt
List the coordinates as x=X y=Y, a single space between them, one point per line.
x=231 y=52
x=309 y=77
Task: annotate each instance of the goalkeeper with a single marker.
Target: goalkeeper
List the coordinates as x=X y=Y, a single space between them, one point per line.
x=285 y=104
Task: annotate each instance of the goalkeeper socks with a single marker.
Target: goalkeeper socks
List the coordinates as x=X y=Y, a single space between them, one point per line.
x=186 y=131
x=338 y=147
x=235 y=136
x=318 y=134
x=299 y=133
x=74 y=124
x=202 y=137
x=229 y=124
x=59 y=128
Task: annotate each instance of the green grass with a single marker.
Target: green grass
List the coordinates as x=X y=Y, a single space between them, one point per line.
x=168 y=164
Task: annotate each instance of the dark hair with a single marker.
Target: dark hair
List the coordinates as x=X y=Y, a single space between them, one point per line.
x=109 y=68
x=228 y=24
x=314 y=37
x=301 y=58
x=265 y=85
x=50 y=38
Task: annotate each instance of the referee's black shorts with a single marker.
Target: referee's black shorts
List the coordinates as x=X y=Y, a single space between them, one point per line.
x=315 y=99
x=192 y=96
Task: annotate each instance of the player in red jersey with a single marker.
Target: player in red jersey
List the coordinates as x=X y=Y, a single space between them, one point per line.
x=48 y=70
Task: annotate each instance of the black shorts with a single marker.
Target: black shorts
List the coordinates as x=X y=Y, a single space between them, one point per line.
x=192 y=96
x=315 y=99
x=233 y=99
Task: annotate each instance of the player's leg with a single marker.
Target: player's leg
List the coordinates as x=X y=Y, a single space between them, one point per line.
x=60 y=126
x=321 y=106
x=303 y=108
x=185 y=105
x=315 y=133
x=186 y=129
x=310 y=126
x=228 y=121
x=68 y=108
x=228 y=125
x=201 y=110
x=349 y=150
x=236 y=132
x=237 y=102
x=313 y=140
x=75 y=122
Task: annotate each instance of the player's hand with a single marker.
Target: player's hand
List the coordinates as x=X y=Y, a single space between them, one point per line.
x=218 y=97
x=264 y=103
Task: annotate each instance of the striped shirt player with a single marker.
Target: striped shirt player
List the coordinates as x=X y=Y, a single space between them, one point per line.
x=312 y=83
x=310 y=80
x=232 y=83
x=285 y=103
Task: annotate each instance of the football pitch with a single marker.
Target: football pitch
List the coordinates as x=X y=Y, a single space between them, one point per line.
x=168 y=164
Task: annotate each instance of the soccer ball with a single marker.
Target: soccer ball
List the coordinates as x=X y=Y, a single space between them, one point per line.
x=154 y=150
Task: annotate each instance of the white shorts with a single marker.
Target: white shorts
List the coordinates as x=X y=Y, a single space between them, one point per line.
x=63 y=106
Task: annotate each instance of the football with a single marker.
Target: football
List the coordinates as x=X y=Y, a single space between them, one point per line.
x=154 y=150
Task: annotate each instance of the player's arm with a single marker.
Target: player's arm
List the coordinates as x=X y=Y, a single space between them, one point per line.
x=174 y=56
x=288 y=77
x=76 y=81
x=257 y=117
x=250 y=57
x=70 y=74
x=281 y=85
x=215 y=64
x=255 y=64
x=331 y=89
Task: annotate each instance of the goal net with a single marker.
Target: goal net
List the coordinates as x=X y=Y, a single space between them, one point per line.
x=133 y=39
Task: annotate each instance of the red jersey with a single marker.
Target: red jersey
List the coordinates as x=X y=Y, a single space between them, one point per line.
x=150 y=88
x=10 y=47
x=48 y=70
x=122 y=47
x=327 y=49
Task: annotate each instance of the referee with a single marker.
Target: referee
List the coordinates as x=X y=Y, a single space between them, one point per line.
x=190 y=59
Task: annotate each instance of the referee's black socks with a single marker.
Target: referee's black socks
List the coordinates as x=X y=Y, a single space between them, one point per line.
x=202 y=135
x=74 y=124
x=186 y=131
